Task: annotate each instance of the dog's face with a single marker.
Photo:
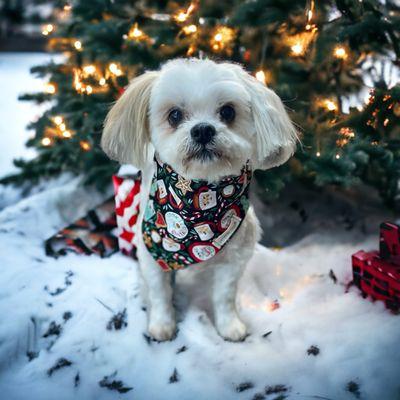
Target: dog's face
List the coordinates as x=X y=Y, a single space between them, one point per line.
x=203 y=118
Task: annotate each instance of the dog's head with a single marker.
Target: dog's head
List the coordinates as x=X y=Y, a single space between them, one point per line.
x=205 y=119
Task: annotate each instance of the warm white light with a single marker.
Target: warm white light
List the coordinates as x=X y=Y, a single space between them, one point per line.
x=67 y=134
x=89 y=89
x=218 y=37
x=260 y=76
x=89 y=69
x=78 y=45
x=49 y=88
x=190 y=29
x=297 y=49
x=318 y=154
x=340 y=52
x=102 y=81
x=114 y=69
x=62 y=127
x=330 y=105
x=46 y=141
x=337 y=156
x=58 y=120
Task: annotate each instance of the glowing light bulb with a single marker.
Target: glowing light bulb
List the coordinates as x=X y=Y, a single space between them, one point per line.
x=340 y=52
x=260 y=76
x=46 y=141
x=62 y=127
x=297 y=49
x=84 y=145
x=189 y=29
x=50 y=88
x=318 y=154
x=114 y=69
x=89 y=69
x=78 y=45
x=89 y=89
x=337 y=156
x=58 y=120
x=330 y=105
x=102 y=81
x=67 y=134
x=218 y=37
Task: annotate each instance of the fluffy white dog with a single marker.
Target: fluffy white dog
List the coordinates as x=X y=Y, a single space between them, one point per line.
x=206 y=120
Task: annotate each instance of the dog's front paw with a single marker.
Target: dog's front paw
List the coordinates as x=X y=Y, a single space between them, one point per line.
x=162 y=331
x=233 y=330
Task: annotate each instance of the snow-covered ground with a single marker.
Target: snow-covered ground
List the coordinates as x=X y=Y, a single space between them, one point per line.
x=56 y=312
x=59 y=309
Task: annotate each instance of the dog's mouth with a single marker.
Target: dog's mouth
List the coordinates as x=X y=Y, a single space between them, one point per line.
x=202 y=153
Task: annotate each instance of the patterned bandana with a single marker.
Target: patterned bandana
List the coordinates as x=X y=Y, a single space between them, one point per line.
x=190 y=221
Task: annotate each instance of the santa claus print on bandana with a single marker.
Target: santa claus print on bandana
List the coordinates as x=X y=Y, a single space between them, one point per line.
x=190 y=221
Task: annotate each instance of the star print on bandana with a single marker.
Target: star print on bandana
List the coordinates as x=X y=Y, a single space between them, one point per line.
x=189 y=221
x=183 y=185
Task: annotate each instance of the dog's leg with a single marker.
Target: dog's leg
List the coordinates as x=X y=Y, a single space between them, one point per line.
x=160 y=312
x=227 y=320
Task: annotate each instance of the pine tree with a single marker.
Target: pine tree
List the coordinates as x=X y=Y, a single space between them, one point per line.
x=315 y=55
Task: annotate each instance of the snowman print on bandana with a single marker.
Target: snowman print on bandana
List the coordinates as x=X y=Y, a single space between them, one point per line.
x=189 y=221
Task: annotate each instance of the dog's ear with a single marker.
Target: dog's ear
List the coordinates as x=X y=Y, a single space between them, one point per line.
x=126 y=135
x=276 y=137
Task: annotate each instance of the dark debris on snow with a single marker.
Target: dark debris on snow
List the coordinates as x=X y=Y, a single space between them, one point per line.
x=110 y=383
x=61 y=363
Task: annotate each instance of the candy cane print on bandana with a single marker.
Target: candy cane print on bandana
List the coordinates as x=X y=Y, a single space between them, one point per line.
x=187 y=221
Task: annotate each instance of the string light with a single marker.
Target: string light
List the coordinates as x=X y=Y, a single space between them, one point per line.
x=50 y=88
x=102 y=81
x=47 y=29
x=67 y=134
x=340 y=53
x=297 y=49
x=260 y=76
x=114 y=69
x=189 y=29
x=318 y=154
x=337 y=156
x=299 y=43
x=58 y=120
x=135 y=33
x=85 y=145
x=46 y=141
x=78 y=45
x=89 y=89
x=182 y=16
x=222 y=38
x=330 y=105
x=89 y=69
x=191 y=50
x=62 y=126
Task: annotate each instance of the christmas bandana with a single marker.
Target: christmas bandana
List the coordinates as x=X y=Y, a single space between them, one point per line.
x=190 y=221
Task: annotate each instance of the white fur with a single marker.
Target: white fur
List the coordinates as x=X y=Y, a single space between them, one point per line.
x=261 y=132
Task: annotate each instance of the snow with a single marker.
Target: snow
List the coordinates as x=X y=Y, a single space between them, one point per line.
x=15 y=79
x=358 y=339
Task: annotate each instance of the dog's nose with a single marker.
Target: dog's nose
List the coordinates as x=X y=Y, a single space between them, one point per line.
x=202 y=133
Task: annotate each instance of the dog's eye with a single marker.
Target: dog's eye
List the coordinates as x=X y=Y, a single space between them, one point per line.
x=175 y=116
x=227 y=113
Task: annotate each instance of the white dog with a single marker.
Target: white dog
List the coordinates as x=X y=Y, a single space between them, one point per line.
x=205 y=121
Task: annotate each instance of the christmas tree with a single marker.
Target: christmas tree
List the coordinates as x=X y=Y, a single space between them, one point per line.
x=320 y=57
